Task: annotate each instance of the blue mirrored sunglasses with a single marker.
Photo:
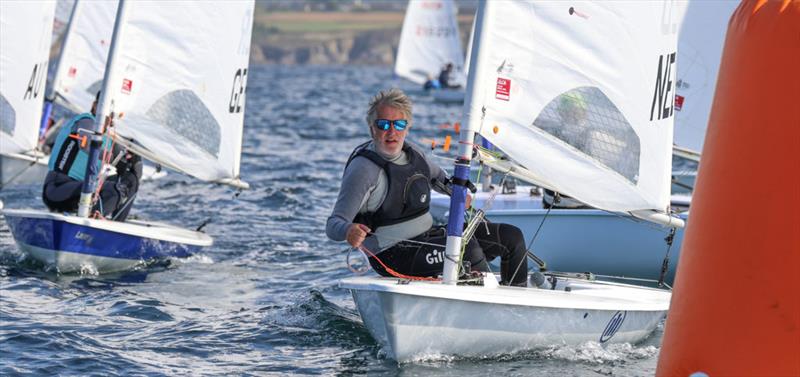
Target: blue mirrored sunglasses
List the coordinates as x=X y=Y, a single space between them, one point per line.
x=385 y=124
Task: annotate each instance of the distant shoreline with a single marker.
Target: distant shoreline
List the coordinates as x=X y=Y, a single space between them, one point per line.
x=325 y=38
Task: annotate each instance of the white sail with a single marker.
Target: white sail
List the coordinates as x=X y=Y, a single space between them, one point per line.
x=429 y=40
x=63 y=12
x=178 y=83
x=700 y=41
x=79 y=74
x=581 y=94
x=25 y=33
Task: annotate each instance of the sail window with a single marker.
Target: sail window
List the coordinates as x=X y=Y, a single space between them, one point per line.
x=8 y=117
x=588 y=121
x=184 y=112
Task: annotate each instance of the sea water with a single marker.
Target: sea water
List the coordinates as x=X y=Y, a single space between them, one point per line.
x=262 y=300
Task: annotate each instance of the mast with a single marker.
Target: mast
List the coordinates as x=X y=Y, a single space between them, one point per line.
x=104 y=109
x=472 y=118
x=51 y=94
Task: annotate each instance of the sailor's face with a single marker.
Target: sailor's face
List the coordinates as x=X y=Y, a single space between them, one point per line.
x=389 y=142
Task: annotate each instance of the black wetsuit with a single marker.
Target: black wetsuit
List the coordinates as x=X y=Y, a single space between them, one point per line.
x=63 y=183
x=444 y=80
x=407 y=198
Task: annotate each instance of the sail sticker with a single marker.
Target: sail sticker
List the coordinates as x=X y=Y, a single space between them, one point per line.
x=613 y=326
x=72 y=72
x=678 y=102
x=127 y=85
x=503 y=89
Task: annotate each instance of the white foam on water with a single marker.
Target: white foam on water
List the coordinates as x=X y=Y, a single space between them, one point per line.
x=193 y=259
x=88 y=269
x=596 y=353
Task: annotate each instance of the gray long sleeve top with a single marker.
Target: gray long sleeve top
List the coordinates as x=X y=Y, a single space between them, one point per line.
x=364 y=187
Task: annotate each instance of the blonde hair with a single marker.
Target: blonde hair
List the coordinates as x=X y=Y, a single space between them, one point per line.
x=393 y=98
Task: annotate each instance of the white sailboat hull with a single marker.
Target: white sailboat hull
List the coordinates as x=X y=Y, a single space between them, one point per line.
x=452 y=96
x=424 y=319
x=580 y=239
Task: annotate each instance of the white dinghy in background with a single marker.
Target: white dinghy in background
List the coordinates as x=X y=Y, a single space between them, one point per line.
x=25 y=34
x=182 y=107
x=517 y=72
x=429 y=39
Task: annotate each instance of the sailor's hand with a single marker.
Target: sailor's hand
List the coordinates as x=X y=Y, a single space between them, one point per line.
x=468 y=201
x=356 y=234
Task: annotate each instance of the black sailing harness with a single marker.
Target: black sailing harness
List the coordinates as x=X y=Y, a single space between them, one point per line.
x=409 y=191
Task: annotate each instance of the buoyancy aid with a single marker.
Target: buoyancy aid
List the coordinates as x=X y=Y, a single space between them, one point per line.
x=67 y=155
x=409 y=189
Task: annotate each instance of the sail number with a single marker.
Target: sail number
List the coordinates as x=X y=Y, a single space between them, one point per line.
x=664 y=85
x=36 y=82
x=237 y=92
x=435 y=31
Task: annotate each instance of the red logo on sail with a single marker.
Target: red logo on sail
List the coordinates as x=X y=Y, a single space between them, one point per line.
x=432 y=5
x=72 y=72
x=503 y=89
x=678 y=102
x=126 y=86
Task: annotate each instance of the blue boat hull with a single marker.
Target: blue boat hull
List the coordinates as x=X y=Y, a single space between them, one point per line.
x=81 y=245
x=583 y=240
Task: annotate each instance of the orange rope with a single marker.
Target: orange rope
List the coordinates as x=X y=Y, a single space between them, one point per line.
x=393 y=272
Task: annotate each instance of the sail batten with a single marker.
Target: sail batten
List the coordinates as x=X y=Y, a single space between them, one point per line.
x=580 y=94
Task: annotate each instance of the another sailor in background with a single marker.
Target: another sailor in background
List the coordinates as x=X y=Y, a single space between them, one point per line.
x=67 y=167
x=383 y=204
x=431 y=83
x=446 y=76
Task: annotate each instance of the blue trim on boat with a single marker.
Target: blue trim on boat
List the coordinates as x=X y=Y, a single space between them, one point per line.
x=455 y=224
x=60 y=235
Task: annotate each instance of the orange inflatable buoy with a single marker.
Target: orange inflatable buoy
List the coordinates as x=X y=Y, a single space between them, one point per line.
x=736 y=304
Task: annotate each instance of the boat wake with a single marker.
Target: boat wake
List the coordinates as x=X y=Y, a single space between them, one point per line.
x=591 y=353
x=315 y=320
x=596 y=353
